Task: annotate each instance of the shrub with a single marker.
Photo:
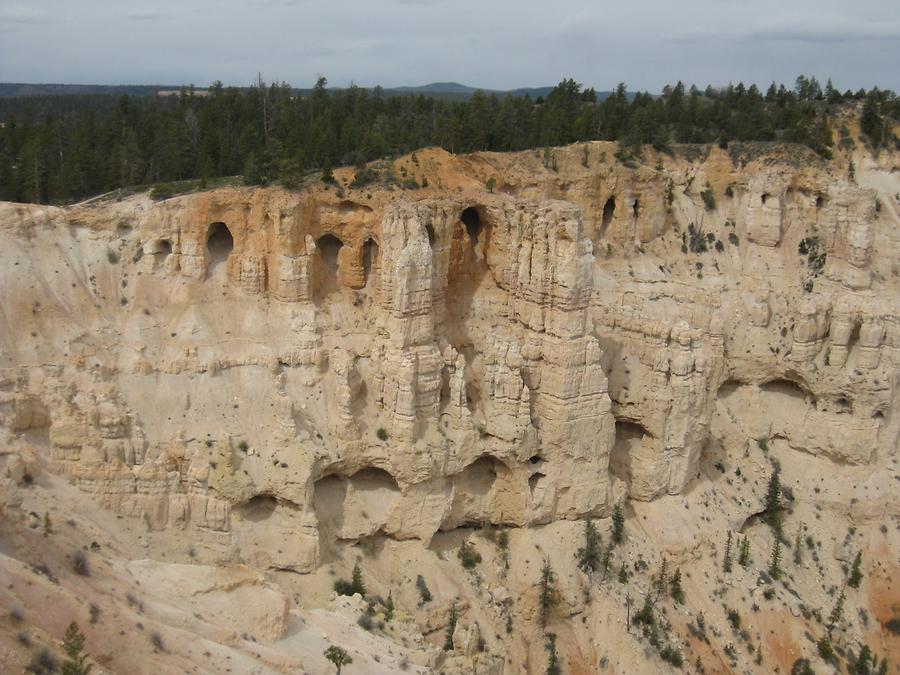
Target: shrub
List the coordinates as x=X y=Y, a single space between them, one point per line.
x=709 y=199
x=734 y=618
x=356 y=585
x=365 y=622
x=645 y=613
x=243 y=446
x=382 y=434
x=826 y=651
x=424 y=593
x=80 y=564
x=327 y=176
x=468 y=556
x=338 y=656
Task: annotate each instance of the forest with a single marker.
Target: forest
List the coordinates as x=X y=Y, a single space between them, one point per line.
x=60 y=149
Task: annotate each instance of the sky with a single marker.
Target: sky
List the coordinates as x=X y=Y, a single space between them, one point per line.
x=497 y=44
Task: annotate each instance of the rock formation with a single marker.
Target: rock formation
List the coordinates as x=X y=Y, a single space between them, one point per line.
x=283 y=371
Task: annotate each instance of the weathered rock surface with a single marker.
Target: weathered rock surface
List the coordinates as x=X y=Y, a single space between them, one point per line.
x=284 y=369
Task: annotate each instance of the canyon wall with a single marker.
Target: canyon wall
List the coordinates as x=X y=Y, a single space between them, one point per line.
x=282 y=370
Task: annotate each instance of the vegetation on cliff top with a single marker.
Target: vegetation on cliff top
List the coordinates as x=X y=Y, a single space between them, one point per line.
x=63 y=148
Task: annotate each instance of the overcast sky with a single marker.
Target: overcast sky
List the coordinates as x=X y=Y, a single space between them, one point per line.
x=498 y=44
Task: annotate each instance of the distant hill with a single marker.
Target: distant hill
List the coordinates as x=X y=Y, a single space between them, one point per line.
x=442 y=90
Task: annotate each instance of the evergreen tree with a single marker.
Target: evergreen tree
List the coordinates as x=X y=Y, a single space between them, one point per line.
x=772 y=513
x=451 y=628
x=73 y=646
x=607 y=557
x=855 y=572
x=618 y=525
x=744 y=552
x=553 y=667
x=589 y=554
x=675 y=588
x=775 y=559
x=623 y=574
x=726 y=563
x=837 y=612
x=356 y=581
x=798 y=546
x=661 y=580
x=548 y=595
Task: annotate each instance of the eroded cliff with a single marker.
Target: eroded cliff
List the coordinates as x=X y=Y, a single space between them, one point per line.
x=283 y=374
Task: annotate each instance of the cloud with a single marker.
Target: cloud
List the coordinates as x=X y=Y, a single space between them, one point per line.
x=823 y=29
x=23 y=14
x=147 y=14
x=827 y=29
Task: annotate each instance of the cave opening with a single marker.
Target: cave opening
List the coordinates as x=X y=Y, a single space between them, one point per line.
x=370 y=258
x=628 y=440
x=472 y=221
x=609 y=210
x=219 y=244
x=429 y=230
x=534 y=482
x=258 y=508
x=328 y=247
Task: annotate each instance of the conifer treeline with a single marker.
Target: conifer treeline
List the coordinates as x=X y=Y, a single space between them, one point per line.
x=64 y=148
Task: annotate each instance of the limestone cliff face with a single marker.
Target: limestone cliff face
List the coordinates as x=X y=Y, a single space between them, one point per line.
x=283 y=369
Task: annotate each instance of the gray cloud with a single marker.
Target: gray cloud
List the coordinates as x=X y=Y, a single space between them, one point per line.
x=498 y=44
x=145 y=14
x=23 y=14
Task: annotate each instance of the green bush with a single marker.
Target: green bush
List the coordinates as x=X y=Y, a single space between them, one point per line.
x=468 y=556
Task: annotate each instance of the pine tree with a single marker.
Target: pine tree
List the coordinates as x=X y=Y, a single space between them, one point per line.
x=744 y=552
x=773 y=503
x=73 y=646
x=451 y=628
x=837 y=612
x=589 y=554
x=389 y=608
x=548 y=592
x=675 y=588
x=726 y=564
x=356 y=582
x=618 y=522
x=855 y=573
x=607 y=556
x=775 y=560
x=661 y=580
x=623 y=574
x=798 y=545
x=553 y=667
